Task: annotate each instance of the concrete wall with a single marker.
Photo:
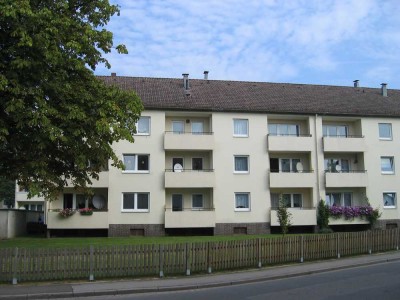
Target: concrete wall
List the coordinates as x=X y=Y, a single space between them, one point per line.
x=13 y=222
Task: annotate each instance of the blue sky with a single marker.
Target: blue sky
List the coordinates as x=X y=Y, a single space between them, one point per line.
x=292 y=41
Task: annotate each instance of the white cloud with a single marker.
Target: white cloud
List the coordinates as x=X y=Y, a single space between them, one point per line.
x=253 y=40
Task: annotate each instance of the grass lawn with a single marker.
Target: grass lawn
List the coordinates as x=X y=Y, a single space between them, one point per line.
x=41 y=242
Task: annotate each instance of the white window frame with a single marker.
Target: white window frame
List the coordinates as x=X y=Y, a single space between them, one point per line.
x=202 y=202
x=234 y=164
x=279 y=127
x=247 y=128
x=136 y=158
x=391 y=160
x=248 y=199
x=339 y=161
x=292 y=200
x=149 y=125
x=390 y=130
x=178 y=122
x=135 y=209
x=341 y=198
x=291 y=170
x=336 y=126
x=395 y=199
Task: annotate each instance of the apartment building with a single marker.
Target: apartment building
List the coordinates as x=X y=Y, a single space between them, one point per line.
x=213 y=157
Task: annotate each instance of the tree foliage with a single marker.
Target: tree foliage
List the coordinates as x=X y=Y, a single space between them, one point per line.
x=56 y=115
x=323 y=215
x=7 y=191
x=284 y=216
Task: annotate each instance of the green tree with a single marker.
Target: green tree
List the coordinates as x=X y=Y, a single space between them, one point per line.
x=7 y=191
x=56 y=115
x=284 y=216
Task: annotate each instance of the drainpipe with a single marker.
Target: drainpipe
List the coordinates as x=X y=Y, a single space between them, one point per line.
x=316 y=156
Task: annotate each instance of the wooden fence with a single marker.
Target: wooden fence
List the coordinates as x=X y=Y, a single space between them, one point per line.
x=17 y=265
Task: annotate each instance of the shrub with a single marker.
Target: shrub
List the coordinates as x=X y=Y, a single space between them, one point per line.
x=284 y=216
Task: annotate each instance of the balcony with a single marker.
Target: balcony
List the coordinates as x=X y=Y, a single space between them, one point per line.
x=346 y=179
x=290 y=143
x=305 y=179
x=343 y=221
x=188 y=141
x=300 y=217
x=103 y=181
x=190 y=218
x=344 y=144
x=98 y=220
x=189 y=179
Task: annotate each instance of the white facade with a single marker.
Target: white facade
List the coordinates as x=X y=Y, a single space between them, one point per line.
x=224 y=170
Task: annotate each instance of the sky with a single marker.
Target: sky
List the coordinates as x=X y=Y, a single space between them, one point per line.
x=289 y=41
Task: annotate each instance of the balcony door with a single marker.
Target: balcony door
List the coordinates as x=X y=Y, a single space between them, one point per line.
x=177 y=202
x=197 y=127
x=178 y=127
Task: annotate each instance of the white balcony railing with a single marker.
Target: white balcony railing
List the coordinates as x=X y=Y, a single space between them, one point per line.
x=190 y=218
x=188 y=141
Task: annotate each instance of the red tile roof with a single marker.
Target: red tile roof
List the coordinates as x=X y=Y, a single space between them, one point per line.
x=259 y=97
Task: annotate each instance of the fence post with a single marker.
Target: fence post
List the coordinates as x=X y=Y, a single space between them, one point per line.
x=91 y=263
x=302 y=249
x=15 y=266
x=161 y=256
x=259 y=252
x=209 y=268
x=337 y=245
x=187 y=253
x=370 y=242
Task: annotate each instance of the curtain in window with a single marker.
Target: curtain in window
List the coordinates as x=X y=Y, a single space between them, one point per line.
x=272 y=129
x=240 y=127
x=297 y=200
x=242 y=201
x=129 y=162
x=241 y=163
x=178 y=127
x=295 y=161
x=274 y=200
x=285 y=165
x=346 y=199
x=197 y=128
x=386 y=164
x=143 y=125
x=389 y=199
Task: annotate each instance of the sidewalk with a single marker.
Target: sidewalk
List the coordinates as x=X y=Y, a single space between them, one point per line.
x=115 y=287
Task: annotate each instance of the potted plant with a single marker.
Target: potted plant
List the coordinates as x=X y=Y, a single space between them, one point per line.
x=66 y=212
x=86 y=211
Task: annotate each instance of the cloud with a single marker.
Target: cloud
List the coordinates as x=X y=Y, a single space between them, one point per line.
x=253 y=40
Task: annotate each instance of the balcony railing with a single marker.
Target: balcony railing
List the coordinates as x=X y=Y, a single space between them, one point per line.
x=306 y=178
x=349 y=143
x=188 y=140
x=98 y=220
x=351 y=178
x=299 y=216
x=189 y=217
x=189 y=178
x=290 y=142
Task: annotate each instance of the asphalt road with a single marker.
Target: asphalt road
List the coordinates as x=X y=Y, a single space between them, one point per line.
x=380 y=281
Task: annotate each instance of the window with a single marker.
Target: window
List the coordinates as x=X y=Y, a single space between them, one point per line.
x=197 y=201
x=197 y=128
x=284 y=129
x=177 y=202
x=385 y=131
x=389 y=200
x=241 y=164
x=335 y=130
x=197 y=163
x=284 y=165
x=339 y=199
x=241 y=127
x=143 y=126
x=80 y=201
x=136 y=163
x=135 y=202
x=242 y=202
x=336 y=165
x=387 y=165
x=292 y=200
x=178 y=127
x=68 y=201
x=177 y=164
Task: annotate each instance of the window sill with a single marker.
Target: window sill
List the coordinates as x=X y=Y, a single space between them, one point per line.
x=135 y=172
x=386 y=139
x=387 y=173
x=241 y=172
x=242 y=209
x=240 y=136
x=135 y=211
x=389 y=207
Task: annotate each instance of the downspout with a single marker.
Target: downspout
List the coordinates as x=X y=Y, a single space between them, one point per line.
x=316 y=157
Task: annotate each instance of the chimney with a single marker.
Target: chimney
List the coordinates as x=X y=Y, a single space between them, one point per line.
x=186 y=85
x=113 y=74
x=384 y=89
x=356 y=83
x=205 y=75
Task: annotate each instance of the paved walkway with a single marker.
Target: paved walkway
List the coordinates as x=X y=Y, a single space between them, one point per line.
x=115 y=287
